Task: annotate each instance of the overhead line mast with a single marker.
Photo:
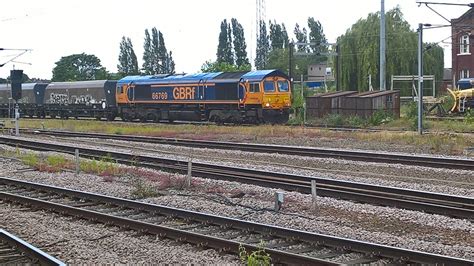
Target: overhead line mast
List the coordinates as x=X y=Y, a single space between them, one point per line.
x=260 y=15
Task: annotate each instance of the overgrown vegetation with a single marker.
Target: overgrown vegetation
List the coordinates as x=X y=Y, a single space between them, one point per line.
x=142 y=189
x=104 y=167
x=336 y=120
x=257 y=258
x=453 y=143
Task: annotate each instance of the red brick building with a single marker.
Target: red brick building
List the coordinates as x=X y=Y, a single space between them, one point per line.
x=463 y=45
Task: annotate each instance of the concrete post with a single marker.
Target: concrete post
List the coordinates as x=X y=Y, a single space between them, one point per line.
x=78 y=166
x=188 y=177
x=279 y=196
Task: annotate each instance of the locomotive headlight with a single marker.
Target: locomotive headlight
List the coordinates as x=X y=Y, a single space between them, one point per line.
x=267 y=104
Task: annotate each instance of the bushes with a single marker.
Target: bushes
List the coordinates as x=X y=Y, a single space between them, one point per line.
x=378 y=118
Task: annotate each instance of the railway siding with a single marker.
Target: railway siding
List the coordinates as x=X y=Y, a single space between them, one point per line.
x=416 y=200
x=132 y=214
x=393 y=158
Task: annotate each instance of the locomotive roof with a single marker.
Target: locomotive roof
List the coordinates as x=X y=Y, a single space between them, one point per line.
x=252 y=76
x=91 y=84
x=24 y=86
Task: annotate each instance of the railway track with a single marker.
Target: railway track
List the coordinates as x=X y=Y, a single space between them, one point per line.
x=455 y=206
x=392 y=158
x=15 y=251
x=284 y=245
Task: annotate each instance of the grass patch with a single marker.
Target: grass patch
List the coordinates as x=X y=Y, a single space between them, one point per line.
x=30 y=159
x=103 y=167
x=142 y=189
x=280 y=134
x=257 y=258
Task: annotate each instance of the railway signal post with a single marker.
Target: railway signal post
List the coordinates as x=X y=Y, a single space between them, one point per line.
x=16 y=77
x=17 y=119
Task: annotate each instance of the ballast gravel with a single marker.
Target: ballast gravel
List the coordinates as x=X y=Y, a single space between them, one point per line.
x=76 y=241
x=439 y=180
x=383 y=225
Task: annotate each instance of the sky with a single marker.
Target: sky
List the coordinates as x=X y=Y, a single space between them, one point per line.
x=53 y=28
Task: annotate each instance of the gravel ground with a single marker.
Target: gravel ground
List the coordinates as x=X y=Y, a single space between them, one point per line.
x=383 y=225
x=447 y=181
x=331 y=139
x=345 y=141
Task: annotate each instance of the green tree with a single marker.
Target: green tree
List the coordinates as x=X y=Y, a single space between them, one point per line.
x=224 y=48
x=165 y=60
x=359 y=51
x=155 y=49
x=128 y=64
x=263 y=47
x=147 y=54
x=171 y=64
x=301 y=36
x=156 y=59
x=79 y=67
x=278 y=36
x=316 y=35
x=240 y=47
x=210 y=66
x=278 y=59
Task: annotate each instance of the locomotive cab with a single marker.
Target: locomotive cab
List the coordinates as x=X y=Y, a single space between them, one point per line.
x=276 y=93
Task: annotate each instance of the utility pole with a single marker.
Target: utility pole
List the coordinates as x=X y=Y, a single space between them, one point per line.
x=290 y=62
x=420 y=78
x=338 y=78
x=382 y=46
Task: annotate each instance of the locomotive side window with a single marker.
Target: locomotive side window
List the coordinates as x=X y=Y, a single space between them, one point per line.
x=283 y=86
x=254 y=87
x=269 y=86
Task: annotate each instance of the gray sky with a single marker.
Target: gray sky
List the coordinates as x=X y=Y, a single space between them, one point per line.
x=59 y=28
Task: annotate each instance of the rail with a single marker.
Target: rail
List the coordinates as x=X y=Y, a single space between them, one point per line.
x=16 y=251
x=391 y=158
x=284 y=245
x=450 y=205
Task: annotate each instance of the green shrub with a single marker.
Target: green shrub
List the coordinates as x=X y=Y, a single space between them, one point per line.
x=333 y=120
x=256 y=258
x=57 y=161
x=105 y=166
x=355 y=121
x=30 y=159
x=142 y=190
x=469 y=118
x=411 y=110
x=380 y=117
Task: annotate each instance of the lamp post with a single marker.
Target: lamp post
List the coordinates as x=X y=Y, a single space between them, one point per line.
x=420 y=75
x=420 y=78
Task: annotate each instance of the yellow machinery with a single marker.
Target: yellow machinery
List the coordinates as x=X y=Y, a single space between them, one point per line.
x=463 y=96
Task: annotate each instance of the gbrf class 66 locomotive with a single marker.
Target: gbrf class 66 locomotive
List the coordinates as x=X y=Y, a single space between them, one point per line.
x=251 y=97
x=222 y=97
